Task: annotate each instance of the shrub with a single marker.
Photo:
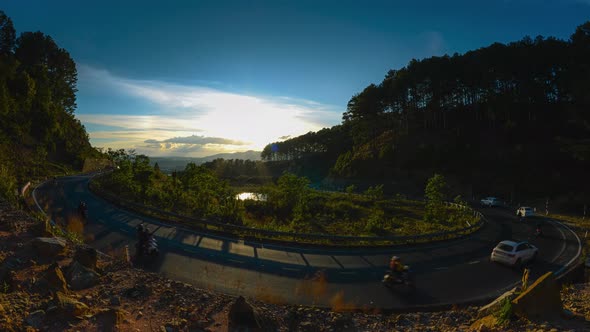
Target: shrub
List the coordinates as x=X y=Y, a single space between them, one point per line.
x=505 y=312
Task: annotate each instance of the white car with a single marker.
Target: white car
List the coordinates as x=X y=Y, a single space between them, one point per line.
x=514 y=253
x=490 y=201
x=525 y=211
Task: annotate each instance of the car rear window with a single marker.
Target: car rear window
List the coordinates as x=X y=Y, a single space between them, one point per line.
x=505 y=247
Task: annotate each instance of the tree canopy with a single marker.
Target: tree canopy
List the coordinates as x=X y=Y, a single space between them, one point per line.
x=517 y=113
x=37 y=105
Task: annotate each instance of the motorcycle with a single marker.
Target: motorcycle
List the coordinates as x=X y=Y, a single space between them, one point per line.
x=83 y=211
x=538 y=232
x=149 y=249
x=404 y=278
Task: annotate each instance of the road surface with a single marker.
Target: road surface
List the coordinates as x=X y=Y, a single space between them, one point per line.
x=447 y=273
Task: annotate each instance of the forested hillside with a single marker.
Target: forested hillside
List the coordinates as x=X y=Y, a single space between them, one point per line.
x=510 y=119
x=39 y=133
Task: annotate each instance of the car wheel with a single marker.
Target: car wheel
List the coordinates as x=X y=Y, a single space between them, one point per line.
x=518 y=263
x=534 y=256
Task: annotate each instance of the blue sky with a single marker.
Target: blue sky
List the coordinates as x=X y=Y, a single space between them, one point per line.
x=195 y=78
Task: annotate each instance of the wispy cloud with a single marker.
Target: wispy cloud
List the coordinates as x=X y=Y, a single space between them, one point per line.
x=201 y=140
x=223 y=118
x=434 y=42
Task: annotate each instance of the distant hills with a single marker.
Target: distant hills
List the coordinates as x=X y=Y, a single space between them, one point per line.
x=169 y=164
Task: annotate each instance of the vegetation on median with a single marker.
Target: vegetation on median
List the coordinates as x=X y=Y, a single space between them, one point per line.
x=290 y=205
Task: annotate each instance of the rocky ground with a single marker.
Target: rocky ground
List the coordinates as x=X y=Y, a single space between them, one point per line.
x=50 y=284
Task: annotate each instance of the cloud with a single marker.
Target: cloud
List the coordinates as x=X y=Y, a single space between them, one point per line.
x=435 y=43
x=143 y=122
x=193 y=139
x=223 y=119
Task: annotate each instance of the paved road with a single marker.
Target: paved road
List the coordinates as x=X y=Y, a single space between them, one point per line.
x=446 y=273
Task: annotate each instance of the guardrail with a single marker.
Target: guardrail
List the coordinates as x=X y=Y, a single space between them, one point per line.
x=255 y=234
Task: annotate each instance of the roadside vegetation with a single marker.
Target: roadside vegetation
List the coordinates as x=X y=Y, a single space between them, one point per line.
x=579 y=221
x=39 y=133
x=289 y=205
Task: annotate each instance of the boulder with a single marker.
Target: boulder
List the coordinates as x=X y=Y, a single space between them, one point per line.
x=242 y=315
x=48 y=246
x=35 y=319
x=54 y=279
x=87 y=256
x=68 y=307
x=495 y=305
x=485 y=324
x=80 y=277
x=542 y=299
x=109 y=319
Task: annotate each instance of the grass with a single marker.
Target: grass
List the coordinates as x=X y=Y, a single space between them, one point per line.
x=505 y=312
x=359 y=215
x=341 y=214
x=576 y=220
x=579 y=222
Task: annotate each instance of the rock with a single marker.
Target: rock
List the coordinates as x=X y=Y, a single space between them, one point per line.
x=35 y=319
x=487 y=323
x=137 y=291
x=49 y=246
x=87 y=256
x=495 y=305
x=109 y=319
x=567 y=314
x=54 y=279
x=540 y=300
x=80 y=277
x=115 y=300
x=307 y=326
x=242 y=315
x=68 y=307
x=176 y=325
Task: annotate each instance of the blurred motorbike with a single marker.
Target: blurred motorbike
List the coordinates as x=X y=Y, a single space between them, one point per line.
x=404 y=278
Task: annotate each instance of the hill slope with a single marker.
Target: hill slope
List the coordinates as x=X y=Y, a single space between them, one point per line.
x=511 y=119
x=39 y=133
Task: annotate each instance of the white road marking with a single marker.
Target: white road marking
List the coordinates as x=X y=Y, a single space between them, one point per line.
x=563 y=244
x=473 y=262
x=558 y=272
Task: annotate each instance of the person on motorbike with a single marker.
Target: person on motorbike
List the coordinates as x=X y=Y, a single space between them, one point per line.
x=396 y=267
x=82 y=208
x=538 y=230
x=143 y=236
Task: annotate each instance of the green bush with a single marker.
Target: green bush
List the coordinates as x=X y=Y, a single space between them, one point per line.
x=505 y=312
x=8 y=186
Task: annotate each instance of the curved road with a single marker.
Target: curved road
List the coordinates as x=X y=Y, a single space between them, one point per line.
x=447 y=273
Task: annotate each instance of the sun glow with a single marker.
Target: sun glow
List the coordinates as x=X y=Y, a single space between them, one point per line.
x=198 y=121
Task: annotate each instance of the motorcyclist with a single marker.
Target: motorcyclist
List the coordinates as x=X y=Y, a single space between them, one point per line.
x=143 y=236
x=396 y=267
x=538 y=230
x=82 y=208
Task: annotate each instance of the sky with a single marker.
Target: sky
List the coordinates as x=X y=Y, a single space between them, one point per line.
x=196 y=78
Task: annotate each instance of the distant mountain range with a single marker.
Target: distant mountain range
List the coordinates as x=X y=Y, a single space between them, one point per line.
x=168 y=164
